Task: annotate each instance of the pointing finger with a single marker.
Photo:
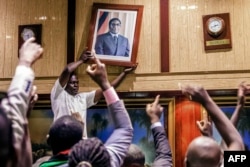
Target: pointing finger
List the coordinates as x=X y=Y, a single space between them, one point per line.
x=157 y=98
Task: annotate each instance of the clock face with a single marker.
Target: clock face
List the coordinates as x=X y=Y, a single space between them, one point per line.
x=27 y=33
x=215 y=26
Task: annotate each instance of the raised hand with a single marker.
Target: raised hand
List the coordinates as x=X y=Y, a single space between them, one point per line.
x=195 y=92
x=242 y=91
x=33 y=99
x=86 y=56
x=130 y=69
x=205 y=126
x=98 y=73
x=29 y=52
x=154 y=110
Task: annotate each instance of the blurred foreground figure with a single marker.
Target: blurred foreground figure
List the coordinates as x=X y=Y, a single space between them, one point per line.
x=15 y=146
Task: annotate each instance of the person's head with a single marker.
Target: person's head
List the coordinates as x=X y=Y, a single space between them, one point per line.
x=5 y=139
x=72 y=86
x=114 y=25
x=88 y=152
x=134 y=158
x=203 y=152
x=64 y=133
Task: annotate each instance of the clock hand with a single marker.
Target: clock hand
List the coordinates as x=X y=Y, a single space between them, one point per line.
x=215 y=25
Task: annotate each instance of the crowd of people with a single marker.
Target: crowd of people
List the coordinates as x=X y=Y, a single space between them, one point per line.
x=67 y=135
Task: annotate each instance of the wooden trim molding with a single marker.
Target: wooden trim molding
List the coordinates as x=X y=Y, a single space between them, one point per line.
x=140 y=99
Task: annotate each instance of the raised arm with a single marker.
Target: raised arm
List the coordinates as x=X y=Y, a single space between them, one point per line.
x=17 y=103
x=163 y=152
x=120 y=140
x=226 y=129
x=243 y=89
x=71 y=67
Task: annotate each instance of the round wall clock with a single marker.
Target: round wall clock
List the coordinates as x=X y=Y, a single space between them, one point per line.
x=215 y=26
x=217 y=31
x=27 y=33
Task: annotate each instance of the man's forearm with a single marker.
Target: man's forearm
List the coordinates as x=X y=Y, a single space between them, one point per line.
x=118 y=80
x=228 y=132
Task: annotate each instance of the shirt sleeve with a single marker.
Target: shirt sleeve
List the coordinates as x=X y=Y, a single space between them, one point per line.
x=56 y=90
x=110 y=95
x=156 y=124
x=16 y=107
x=121 y=138
x=90 y=96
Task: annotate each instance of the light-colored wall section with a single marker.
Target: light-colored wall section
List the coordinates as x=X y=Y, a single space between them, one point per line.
x=52 y=14
x=186 y=35
x=188 y=60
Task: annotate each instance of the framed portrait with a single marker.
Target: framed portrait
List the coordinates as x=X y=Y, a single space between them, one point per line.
x=114 y=33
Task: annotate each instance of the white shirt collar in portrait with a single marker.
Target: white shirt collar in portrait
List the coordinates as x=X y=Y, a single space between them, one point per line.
x=113 y=35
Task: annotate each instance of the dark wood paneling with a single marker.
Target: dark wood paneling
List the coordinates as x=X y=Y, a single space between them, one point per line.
x=71 y=31
x=164 y=30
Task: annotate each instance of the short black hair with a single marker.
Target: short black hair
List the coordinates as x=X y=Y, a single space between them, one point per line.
x=134 y=155
x=64 y=133
x=113 y=19
x=72 y=73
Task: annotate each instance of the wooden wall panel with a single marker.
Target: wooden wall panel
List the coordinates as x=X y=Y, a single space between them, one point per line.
x=188 y=60
x=52 y=15
x=187 y=50
x=3 y=10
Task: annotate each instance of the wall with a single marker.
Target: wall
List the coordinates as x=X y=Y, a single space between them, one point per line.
x=52 y=14
x=188 y=60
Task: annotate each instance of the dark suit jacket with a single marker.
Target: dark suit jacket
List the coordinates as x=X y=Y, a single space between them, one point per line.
x=163 y=152
x=105 y=45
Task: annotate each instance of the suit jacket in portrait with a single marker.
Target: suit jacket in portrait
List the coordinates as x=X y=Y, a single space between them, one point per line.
x=163 y=152
x=105 y=45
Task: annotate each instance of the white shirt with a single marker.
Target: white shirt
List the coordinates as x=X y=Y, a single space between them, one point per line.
x=63 y=103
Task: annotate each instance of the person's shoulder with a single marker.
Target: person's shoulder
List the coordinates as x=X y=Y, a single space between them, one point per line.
x=123 y=37
x=104 y=35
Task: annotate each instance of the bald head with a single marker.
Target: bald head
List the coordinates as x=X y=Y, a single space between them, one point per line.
x=203 y=151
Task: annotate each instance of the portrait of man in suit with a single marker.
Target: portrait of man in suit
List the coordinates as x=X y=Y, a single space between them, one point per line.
x=112 y=43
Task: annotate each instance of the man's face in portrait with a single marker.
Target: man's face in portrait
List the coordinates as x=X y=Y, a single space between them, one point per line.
x=115 y=26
